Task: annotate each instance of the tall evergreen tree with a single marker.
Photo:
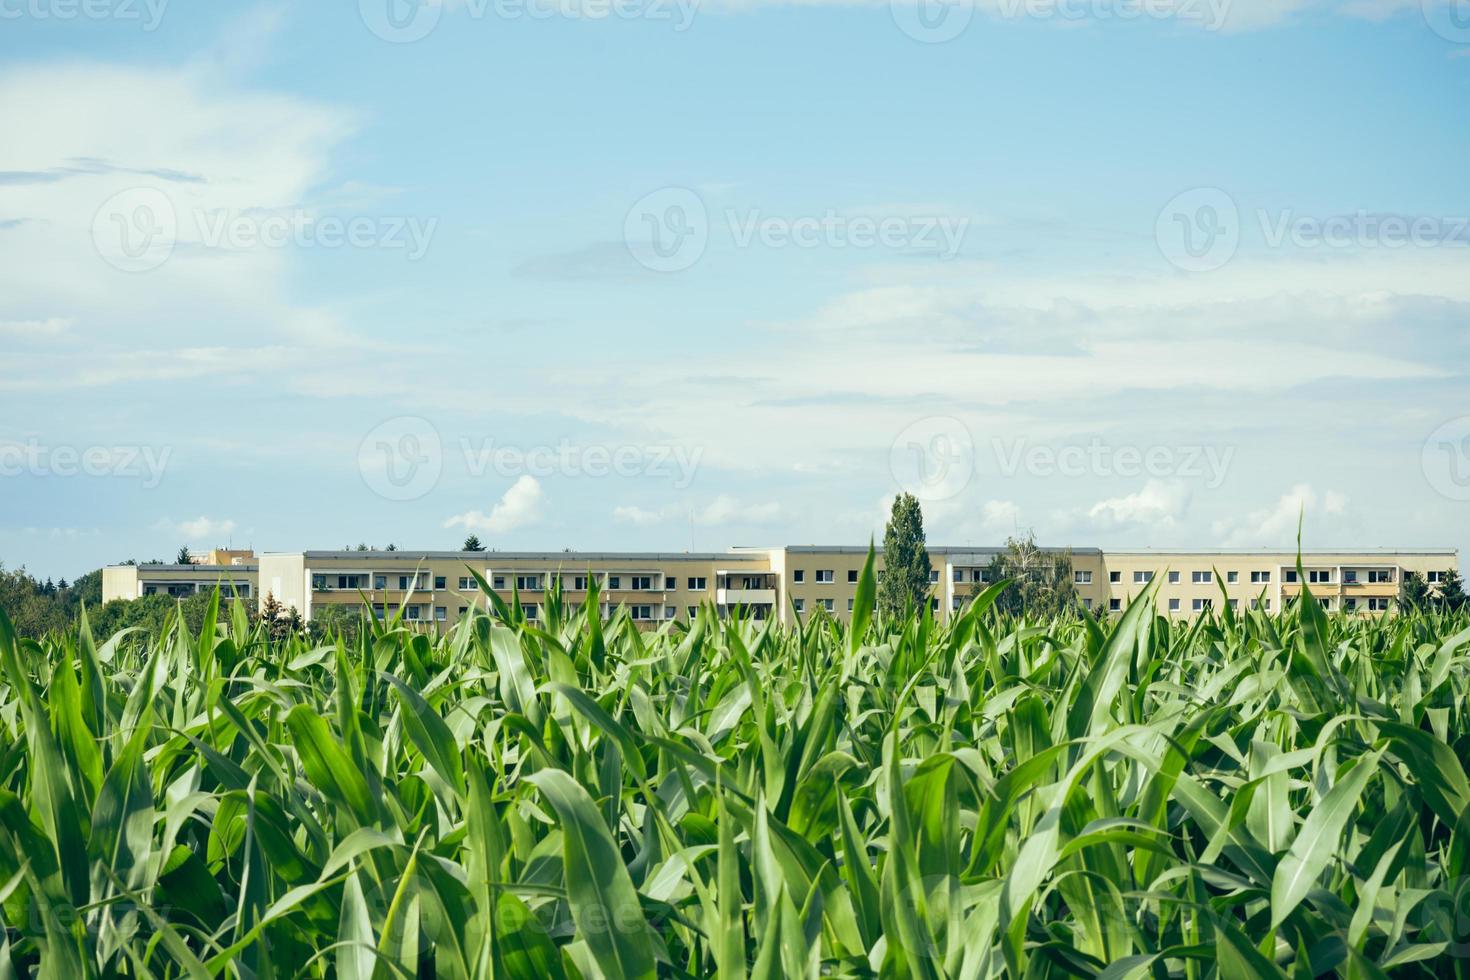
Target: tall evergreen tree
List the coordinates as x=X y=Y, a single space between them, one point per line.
x=183 y=558
x=472 y=543
x=1451 y=592
x=906 y=566
x=1413 y=592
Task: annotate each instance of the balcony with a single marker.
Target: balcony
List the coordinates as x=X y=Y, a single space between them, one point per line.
x=745 y=597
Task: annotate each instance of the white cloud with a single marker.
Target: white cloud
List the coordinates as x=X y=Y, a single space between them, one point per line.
x=198 y=530
x=1159 y=504
x=34 y=329
x=1276 y=526
x=194 y=139
x=724 y=510
x=637 y=516
x=519 y=507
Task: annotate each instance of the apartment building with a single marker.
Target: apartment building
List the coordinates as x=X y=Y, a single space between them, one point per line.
x=794 y=582
x=235 y=572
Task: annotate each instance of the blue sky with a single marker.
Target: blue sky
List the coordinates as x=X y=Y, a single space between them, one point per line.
x=710 y=272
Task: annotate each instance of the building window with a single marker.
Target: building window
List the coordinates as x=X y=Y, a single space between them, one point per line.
x=380 y=582
x=850 y=602
x=532 y=611
x=1232 y=577
x=1115 y=577
x=1434 y=578
x=934 y=604
x=441 y=613
x=463 y=610
x=1200 y=605
x=852 y=574
x=1380 y=576
x=1115 y=605
x=698 y=584
x=1290 y=576
x=1320 y=576
x=800 y=604
x=825 y=576
x=1260 y=578
x=1174 y=605
x=1082 y=578
x=1142 y=578
x=440 y=583
x=614 y=581
x=1173 y=578
x=1378 y=604
x=1202 y=578
x=933 y=576
x=1349 y=576
x=826 y=604
x=671 y=612
x=1087 y=604
x=641 y=583
x=693 y=611
x=799 y=575
x=1350 y=604
x=412 y=613
x=958 y=575
x=981 y=574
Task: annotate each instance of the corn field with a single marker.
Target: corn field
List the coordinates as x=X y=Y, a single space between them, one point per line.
x=1245 y=795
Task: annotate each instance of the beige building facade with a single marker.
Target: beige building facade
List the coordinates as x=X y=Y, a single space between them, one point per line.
x=180 y=581
x=794 y=582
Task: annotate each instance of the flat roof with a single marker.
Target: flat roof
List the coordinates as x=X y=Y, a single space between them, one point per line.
x=190 y=568
x=550 y=556
x=1284 y=552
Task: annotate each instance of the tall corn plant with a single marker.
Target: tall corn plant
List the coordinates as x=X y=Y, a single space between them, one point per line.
x=1244 y=795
